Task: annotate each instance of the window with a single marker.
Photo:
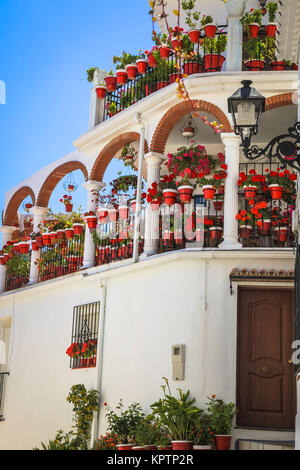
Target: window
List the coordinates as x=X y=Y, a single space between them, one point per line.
x=5 y=333
x=83 y=349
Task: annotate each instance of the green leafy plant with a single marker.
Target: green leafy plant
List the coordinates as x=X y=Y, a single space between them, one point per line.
x=272 y=8
x=192 y=17
x=125 y=59
x=215 y=45
x=124 y=423
x=221 y=415
x=177 y=415
x=202 y=432
x=147 y=433
x=252 y=16
x=206 y=20
x=106 y=442
x=18 y=266
x=90 y=74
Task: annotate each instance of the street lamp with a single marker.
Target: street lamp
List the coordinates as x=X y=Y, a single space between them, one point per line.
x=246 y=106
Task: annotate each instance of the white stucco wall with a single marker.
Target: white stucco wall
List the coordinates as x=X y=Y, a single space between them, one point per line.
x=179 y=298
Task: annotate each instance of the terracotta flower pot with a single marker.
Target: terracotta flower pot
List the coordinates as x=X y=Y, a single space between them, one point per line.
x=102 y=214
x=101 y=92
x=113 y=215
x=276 y=191
x=111 y=83
x=182 y=445
x=125 y=446
x=69 y=233
x=250 y=192
x=281 y=65
x=46 y=239
x=2 y=261
x=209 y=192
x=91 y=221
x=190 y=68
x=215 y=233
x=123 y=212
x=39 y=241
x=24 y=248
x=281 y=233
x=264 y=226
x=245 y=231
x=213 y=62
x=255 y=65
x=78 y=228
x=218 y=205
x=194 y=35
x=271 y=29
x=170 y=196
x=254 y=29
x=152 y=61
x=88 y=362
x=69 y=207
x=210 y=30
x=164 y=52
x=164 y=448
x=132 y=71
x=185 y=193
x=121 y=76
x=60 y=234
x=142 y=65
x=222 y=442
x=177 y=44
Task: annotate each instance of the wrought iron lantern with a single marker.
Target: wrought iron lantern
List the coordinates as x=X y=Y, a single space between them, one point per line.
x=189 y=129
x=70 y=184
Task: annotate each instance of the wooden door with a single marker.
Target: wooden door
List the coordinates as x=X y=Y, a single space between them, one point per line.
x=266 y=388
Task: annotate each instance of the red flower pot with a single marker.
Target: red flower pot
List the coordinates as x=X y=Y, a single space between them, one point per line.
x=281 y=234
x=194 y=35
x=250 y=192
x=210 y=30
x=164 y=52
x=34 y=245
x=221 y=189
x=101 y=92
x=111 y=83
x=69 y=233
x=88 y=362
x=39 y=241
x=113 y=215
x=222 y=442
x=46 y=239
x=209 y=192
x=91 y=221
x=6 y=257
x=125 y=446
x=245 y=231
x=177 y=44
x=60 y=234
x=53 y=238
x=121 y=77
x=276 y=191
x=271 y=29
x=255 y=65
x=213 y=62
x=264 y=226
x=254 y=29
x=69 y=207
x=278 y=65
x=170 y=196
x=132 y=71
x=182 y=445
x=123 y=212
x=215 y=233
x=218 y=205
x=189 y=68
x=185 y=193
x=151 y=60
x=2 y=261
x=142 y=65
x=24 y=248
x=78 y=228
x=102 y=214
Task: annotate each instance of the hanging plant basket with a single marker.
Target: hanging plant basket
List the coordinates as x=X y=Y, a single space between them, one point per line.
x=194 y=35
x=78 y=228
x=210 y=30
x=91 y=221
x=170 y=196
x=152 y=61
x=209 y=192
x=185 y=193
x=142 y=65
x=101 y=92
x=69 y=207
x=121 y=77
x=281 y=233
x=254 y=30
x=46 y=239
x=69 y=233
x=165 y=52
x=111 y=83
x=271 y=29
x=177 y=44
x=132 y=71
x=276 y=191
x=250 y=192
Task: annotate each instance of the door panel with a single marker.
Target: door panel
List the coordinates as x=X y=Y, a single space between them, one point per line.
x=265 y=379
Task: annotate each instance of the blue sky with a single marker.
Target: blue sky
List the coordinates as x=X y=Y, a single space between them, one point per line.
x=46 y=47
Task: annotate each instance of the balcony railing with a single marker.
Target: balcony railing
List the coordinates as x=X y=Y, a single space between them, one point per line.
x=61 y=258
x=112 y=250
x=2 y=388
x=16 y=281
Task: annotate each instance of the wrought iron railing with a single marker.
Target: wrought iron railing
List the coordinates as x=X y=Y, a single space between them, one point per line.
x=64 y=257
x=204 y=60
x=2 y=388
x=112 y=250
x=268 y=231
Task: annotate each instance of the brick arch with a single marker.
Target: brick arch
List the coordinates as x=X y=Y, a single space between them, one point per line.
x=174 y=114
x=109 y=151
x=278 y=101
x=11 y=214
x=54 y=178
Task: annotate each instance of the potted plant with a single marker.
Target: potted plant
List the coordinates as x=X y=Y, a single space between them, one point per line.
x=141 y=62
x=251 y=183
x=221 y=417
x=280 y=181
x=176 y=38
x=78 y=224
x=245 y=218
x=85 y=351
x=111 y=81
x=192 y=20
x=154 y=196
x=210 y=28
x=128 y=155
x=67 y=201
x=257 y=50
x=202 y=433
x=124 y=423
x=177 y=415
x=216 y=229
x=147 y=434
x=252 y=21
x=218 y=202
x=213 y=49
x=107 y=442
x=271 y=27
x=91 y=219
x=169 y=190
x=262 y=215
x=101 y=91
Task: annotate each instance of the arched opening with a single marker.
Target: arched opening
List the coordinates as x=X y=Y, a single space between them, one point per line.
x=11 y=214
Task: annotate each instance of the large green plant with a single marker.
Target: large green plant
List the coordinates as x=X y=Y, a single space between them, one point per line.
x=125 y=59
x=272 y=8
x=216 y=45
x=192 y=15
x=178 y=415
x=221 y=415
x=124 y=423
x=18 y=265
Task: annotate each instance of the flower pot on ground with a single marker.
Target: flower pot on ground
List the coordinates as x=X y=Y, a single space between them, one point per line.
x=192 y=67
x=221 y=417
x=194 y=35
x=182 y=445
x=124 y=446
x=276 y=191
x=222 y=442
x=101 y=92
x=142 y=65
x=78 y=228
x=177 y=44
x=278 y=65
x=111 y=83
x=185 y=193
x=170 y=196
x=132 y=71
x=210 y=30
x=147 y=434
x=281 y=233
x=255 y=65
x=209 y=192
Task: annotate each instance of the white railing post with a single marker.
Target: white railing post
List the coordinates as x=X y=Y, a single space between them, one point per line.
x=39 y=214
x=231 y=201
x=93 y=188
x=96 y=105
x=235 y=10
x=7 y=232
x=151 y=243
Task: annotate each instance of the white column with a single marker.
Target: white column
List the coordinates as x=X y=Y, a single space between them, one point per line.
x=93 y=188
x=235 y=9
x=39 y=214
x=153 y=162
x=7 y=232
x=96 y=105
x=232 y=158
